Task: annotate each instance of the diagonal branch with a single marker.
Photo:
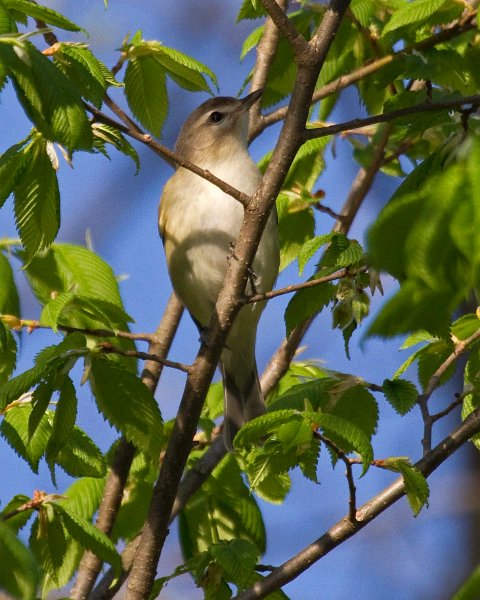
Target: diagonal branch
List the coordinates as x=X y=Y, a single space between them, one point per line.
x=256 y=214
x=344 y=529
x=91 y=565
x=285 y=26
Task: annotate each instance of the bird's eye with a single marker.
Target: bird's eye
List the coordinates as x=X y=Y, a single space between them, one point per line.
x=215 y=117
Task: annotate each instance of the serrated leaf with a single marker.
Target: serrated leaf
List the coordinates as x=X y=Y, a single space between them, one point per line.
x=128 y=405
x=48 y=540
x=306 y=303
x=412 y=13
x=401 y=394
x=309 y=249
x=251 y=41
x=63 y=421
x=19 y=521
x=12 y=166
x=42 y=13
x=183 y=69
x=37 y=201
x=80 y=456
x=352 y=255
x=146 y=92
x=238 y=559
x=104 y=134
x=19 y=575
x=295 y=227
x=14 y=429
x=223 y=509
x=84 y=70
x=416 y=486
x=89 y=536
x=50 y=101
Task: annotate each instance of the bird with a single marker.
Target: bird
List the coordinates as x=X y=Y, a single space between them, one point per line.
x=199 y=224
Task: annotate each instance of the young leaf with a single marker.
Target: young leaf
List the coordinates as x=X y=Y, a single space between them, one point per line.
x=19 y=575
x=146 y=91
x=307 y=303
x=223 y=509
x=63 y=421
x=127 y=404
x=88 y=535
x=416 y=486
x=401 y=394
x=48 y=98
x=84 y=70
x=14 y=429
x=17 y=522
x=37 y=200
x=80 y=457
x=42 y=13
x=295 y=226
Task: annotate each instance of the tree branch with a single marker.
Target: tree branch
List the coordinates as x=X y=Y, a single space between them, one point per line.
x=460 y=348
x=344 y=81
x=289 y=289
x=15 y=323
x=109 y=348
x=256 y=215
x=91 y=565
x=344 y=529
x=298 y=43
x=266 y=50
x=456 y=103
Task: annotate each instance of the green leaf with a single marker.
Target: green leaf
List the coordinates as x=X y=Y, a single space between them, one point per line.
x=105 y=134
x=136 y=498
x=37 y=200
x=183 y=69
x=416 y=486
x=48 y=540
x=309 y=249
x=84 y=70
x=12 y=166
x=80 y=456
x=146 y=91
x=19 y=575
x=89 y=536
x=19 y=521
x=14 y=429
x=128 y=405
x=48 y=98
x=306 y=303
x=413 y=13
x=67 y=268
x=469 y=589
x=295 y=226
x=63 y=421
x=42 y=13
x=401 y=394
x=250 y=9
x=223 y=509
x=238 y=559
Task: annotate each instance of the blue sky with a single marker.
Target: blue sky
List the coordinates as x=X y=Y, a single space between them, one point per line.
x=119 y=209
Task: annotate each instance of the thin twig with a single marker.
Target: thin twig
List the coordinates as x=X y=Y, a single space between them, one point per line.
x=32 y=324
x=109 y=348
x=456 y=103
x=452 y=406
x=460 y=347
x=289 y=289
x=352 y=490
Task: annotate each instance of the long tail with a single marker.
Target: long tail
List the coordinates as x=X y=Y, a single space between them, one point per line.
x=241 y=404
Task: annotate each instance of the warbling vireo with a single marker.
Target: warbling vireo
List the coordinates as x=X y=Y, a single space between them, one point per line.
x=198 y=224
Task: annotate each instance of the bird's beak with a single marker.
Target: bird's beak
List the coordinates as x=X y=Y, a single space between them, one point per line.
x=250 y=100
